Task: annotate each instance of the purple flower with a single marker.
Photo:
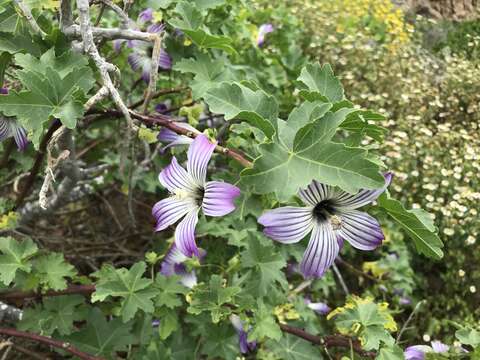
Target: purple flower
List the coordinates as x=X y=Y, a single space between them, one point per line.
x=417 y=352
x=190 y=192
x=263 y=30
x=9 y=127
x=405 y=300
x=330 y=216
x=439 y=347
x=145 y=16
x=319 y=307
x=173 y=265
x=171 y=138
x=3 y=91
x=245 y=345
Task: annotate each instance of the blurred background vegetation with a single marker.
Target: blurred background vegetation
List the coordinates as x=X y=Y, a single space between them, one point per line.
x=422 y=73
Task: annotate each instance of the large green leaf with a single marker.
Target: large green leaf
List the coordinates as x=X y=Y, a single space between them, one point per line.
x=237 y=101
x=51 y=271
x=265 y=325
x=298 y=156
x=208 y=73
x=48 y=97
x=266 y=267
x=15 y=256
x=169 y=289
x=417 y=224
x=319 y=82
x=18 y=42
x=291 y=347
x=100 y=337
x=136 y=292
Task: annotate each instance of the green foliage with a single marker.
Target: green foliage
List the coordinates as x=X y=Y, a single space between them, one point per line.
x=136 y=292
x=320 y=84
x=417 y=223
x=265 y=325
x=15 y=256
x=214 y=297
x=290 y=347
x=51 y=270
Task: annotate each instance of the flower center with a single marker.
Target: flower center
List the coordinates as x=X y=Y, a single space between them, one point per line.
x=195 y=195
x=324 y=210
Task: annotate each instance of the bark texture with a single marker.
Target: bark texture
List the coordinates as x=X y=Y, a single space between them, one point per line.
x=443 y=9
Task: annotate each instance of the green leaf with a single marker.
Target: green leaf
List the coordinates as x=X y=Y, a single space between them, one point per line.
x=9 y=18
x=208 y=73
x=321 y=80
x=136 y=292
x=208 y=4
x=48 y=96
x=221 y=342
x=394 y=352
x=15 y=43
x=51 y=270
x=240 y=102
x=361 y=122
x=297 y=157
x=291 y=347
x=169 y=290
x=265 y=325
x=212 y=297
x=5 y=58
x=15 y=256
x=168 y=323
x=266 y=267
x=416 y=223
x=100 y=337
x=62 y=65
x=468 y=336
x=57 y=314
x=190 y=21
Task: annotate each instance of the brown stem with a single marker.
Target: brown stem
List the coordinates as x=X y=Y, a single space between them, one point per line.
x=329 y=341
x=27 y=188
x=49 y=341
x=158 y=94
x=72 y=289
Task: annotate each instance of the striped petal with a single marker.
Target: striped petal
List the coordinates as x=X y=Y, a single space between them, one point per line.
x=363 y=197
x=287 y=224
x=174 y=178
x=20 y=136
x=321 y=251
x=218 y=199
x=315 y=193
x=165 y=60
x=361 y=230
x=168 y=211
x=173 y=265
x=173 y=139
x=185 y=234
x=4 y=128
x=199 y=154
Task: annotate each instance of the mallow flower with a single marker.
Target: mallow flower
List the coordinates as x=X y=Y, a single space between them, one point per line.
x=244 y=344
x=171 y=138
x=319 y=307
x=9 y=127
x=417 y=352
x=330 y=216
x=190 y=193
x=263 y=30
x=173 y=264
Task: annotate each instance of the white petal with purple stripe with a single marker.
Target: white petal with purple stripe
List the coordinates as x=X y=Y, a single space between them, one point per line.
x=315 y=193
x=174 y=178
x=199 y=154
x=185 y=234
x=361 y=230
x=287 y=224
x=218 y=199
x=168 y=211
x=321 y=252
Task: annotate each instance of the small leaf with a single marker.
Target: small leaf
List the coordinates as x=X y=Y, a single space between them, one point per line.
x=52 y=270
x=15 y=256
x=136 y=292
x=168 y=323
x=416 y=223
x=468 y=336
x=169 y=289
x=265 y=325
x=291 y=347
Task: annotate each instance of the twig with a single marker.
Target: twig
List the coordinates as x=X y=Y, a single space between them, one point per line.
x=22 y=295
x=152 y=84
x=27 y=188
x=354 y=269
x=340 y=279
x=30 y=353
x=111 y=33
x=329 y=341
x=158 y=94
x=48 y=341
x=28 y=15
x=118 y=10
x=409 y=319
x=65 y=14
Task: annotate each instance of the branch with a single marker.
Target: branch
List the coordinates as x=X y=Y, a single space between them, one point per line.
x=48 y=341
x=152 y=84
x=117 y=9
x=110 y=33
x=169 y=123
x=158 y=94
x=329 y=341
x=28 y=15
x=65 y=14
x=27 y=188
x=22 y=295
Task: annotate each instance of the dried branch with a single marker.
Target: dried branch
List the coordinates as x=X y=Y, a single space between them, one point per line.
x=48 y=341
x=22 y=295
x=118 y=10
x=152 y=84
x=158 y=94
x=28 y=15
x=111 y=33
